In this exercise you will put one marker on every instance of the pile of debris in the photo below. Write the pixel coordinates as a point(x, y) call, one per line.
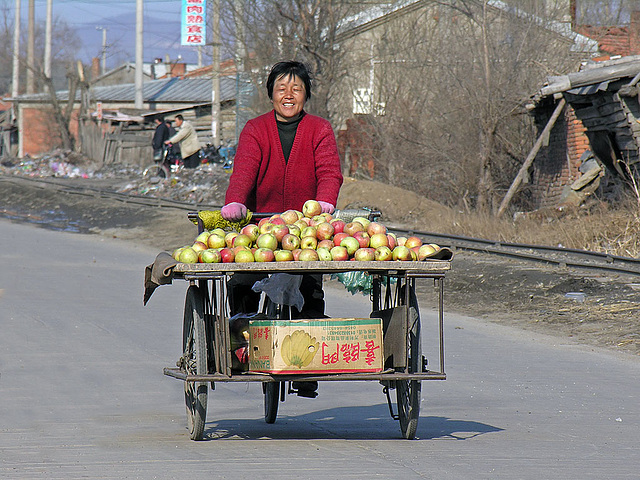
point(206, 184)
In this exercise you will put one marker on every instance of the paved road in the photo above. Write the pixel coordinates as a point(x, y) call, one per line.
point(82, 393)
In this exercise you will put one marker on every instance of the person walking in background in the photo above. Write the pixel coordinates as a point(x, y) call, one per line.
point(187, 138)
point(160, 136)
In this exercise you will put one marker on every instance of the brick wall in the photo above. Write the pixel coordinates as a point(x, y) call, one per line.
point(42, 134)
point(556, 165)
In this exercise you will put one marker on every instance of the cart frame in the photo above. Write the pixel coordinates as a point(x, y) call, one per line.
point(207, 303)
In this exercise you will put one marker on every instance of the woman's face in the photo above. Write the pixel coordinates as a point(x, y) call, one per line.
point(288, 97)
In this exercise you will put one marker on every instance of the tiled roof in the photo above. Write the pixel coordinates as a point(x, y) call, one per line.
point(169, 90)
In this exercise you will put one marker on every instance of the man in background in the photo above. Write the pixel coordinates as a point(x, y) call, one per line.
point(187, 138)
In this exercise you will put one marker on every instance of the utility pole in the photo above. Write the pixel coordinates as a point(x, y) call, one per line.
point(31, 47)
point(15, 82)
point(47, 40)
point(240, 66)
point(104, 49)
point(139, 50)
point(215, 75)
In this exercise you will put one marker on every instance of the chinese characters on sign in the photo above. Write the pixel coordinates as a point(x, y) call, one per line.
point(194, 22)
point(349, 353)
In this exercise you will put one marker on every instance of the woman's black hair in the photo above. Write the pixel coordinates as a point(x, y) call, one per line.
point(289, 69)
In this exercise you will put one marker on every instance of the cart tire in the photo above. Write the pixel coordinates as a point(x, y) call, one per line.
point(271, 392)
point(194, 350)
point(408, 392)
point(156, 170)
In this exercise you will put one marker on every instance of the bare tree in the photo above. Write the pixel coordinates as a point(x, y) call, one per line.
point(453, 79)
point(303, 30)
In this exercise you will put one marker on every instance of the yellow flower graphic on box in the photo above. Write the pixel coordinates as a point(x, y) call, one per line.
point(299, 348)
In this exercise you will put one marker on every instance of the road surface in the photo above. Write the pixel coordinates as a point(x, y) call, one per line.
point(82, 394)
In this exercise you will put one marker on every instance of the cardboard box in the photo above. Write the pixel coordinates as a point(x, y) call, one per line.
point(331, 345)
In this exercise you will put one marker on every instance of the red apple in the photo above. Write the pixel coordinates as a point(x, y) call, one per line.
point(266, 227)
point(365, 254)
point(337, 238)
point(378, 240)
point(392, 240)
point(296, 254)
point(324, 231)
point(242, 240)
point(252, 231)
point(363, 221)
point(176, 253)
point(317, 220)
point(339, 254)
point(227, 255)
point(326, 244)
point(262, 221)
point(375, 227)
point(308, 232)
point(210, 255)
point(363, 239)
point(401, 253)
point(267, 240)
point(383, 254)
point(302, 224)
point(324, 254)
point(244, 256)
point(290, 217)
point(351, 244)
point(425, 251)
point(280, 231)
point(338, 225)
point(203, 237)
point(238, 248)
point(309, 242)
point(290, 242)
point(216, 241)
point(308, 255)
point(412, 242)
point(228, 238)
point(188, 255)
point(294, 230)
point(353, 227)
point(199, 246)
point(283, 255)
point(401, 240)
point(311, 208)
point(277, 220)
point(264, 255)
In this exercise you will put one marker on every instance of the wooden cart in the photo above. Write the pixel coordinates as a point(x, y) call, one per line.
point(206, 348)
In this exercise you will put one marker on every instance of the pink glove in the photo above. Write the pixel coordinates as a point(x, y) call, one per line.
point(233, 211)
point(326, 207)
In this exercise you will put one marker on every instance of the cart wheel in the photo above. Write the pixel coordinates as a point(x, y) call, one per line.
point(271, 392)
point(408, 392)
point(156, 170)
point(195, 361)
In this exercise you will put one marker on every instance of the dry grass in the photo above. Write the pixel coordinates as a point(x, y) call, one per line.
point(598, 227)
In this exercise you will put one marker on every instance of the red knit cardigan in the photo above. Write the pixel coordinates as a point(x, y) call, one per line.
point(264, 182)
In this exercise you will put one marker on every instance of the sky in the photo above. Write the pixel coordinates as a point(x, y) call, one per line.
point(161, 28)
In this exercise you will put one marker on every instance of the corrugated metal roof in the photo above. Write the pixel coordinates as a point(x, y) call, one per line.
point(168, 90)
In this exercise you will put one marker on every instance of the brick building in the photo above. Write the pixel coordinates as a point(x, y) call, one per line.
point(601, 117)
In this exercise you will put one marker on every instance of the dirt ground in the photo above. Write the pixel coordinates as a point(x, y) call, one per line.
point(506, 291)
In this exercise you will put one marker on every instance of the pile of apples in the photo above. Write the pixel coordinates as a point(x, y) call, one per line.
point(304, 236)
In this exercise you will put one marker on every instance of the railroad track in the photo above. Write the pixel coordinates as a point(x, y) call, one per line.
point(560, 256)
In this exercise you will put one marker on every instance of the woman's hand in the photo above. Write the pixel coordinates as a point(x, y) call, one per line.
point(326, 207)
point(233, 211)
